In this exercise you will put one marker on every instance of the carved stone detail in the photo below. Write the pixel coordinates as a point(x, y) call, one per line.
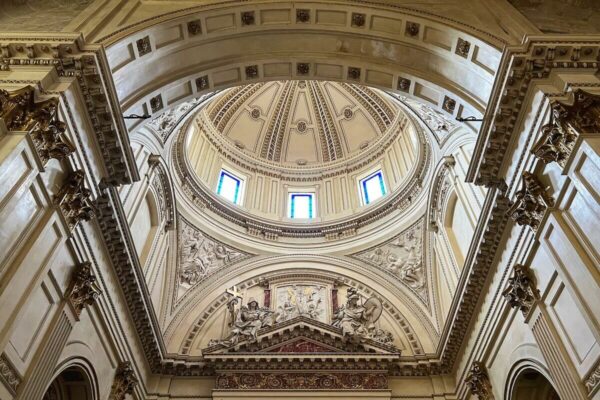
point(303, 68)
point(303, 16)
point(194, 27)
point(248, 18)
point(201, 256)
point(521, 291)
point(21, 113)
point(74, 200)
point(83, 289)
point(252, 72)
point(592, 382)
point(436, 121)
point(402, 257)
point(124, 382)
point(531, 202)
point(567, 122)
point(72, 58)
point(412, 29)
point(143, 45)
point(478, 382)
point(8, 375)
point(357, 319)
point(358, 20)
point(301, 381)
point(354, 73)
point(404, 84)
point(165, 122)
point(463, 47)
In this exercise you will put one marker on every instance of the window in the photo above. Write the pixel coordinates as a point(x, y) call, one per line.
point(372, 187)
point(230, 187)
point(301, 205)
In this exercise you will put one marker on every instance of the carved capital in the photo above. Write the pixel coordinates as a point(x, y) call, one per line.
point(583, 116)
point(83, 289)
point(124, 382)
point(521, 291)
point(478, 382)
point(21, 113)
point(74, 200)
point(531, 202)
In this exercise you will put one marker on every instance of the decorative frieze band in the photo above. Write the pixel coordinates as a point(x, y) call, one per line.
point(301, 381)
point(8, 375)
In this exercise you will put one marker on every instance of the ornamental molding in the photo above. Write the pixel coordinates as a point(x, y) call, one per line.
point(9, 375)
point(71, 57)
point(205, 198)
point(592, 381)
point(163, 187)
point(83, 289)
point(20, 112)
point(301, 381)
point(535, 59)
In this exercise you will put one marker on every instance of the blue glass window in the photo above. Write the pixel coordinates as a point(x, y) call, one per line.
point(302, 205)
point(372, 187)
point(229, 186)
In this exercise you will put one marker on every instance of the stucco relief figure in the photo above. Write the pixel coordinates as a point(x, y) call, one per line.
point(357, 319)
point(200, 256)
point(401, 257)
point(247, 321)
point(300, 300)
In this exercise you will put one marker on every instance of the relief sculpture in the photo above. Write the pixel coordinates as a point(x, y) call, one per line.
point(401, 257)
point(201, 255)
point(301, 300)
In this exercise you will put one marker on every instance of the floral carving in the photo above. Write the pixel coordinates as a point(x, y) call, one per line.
point(21, 113)
point(435, 121)
point(463, 47)
point(402, 257)
point(143, 45)
point(478, 381)
point(521, 291)
point(201, 255)
point(531, 202)
point(83, 289)
point(593, 380)
point(302, 381)
point(74, 200)
point(8, 375)
point(124, 382)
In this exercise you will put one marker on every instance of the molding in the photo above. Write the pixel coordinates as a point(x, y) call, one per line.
point(87, 64)
point(535, 59)
point(9, 375)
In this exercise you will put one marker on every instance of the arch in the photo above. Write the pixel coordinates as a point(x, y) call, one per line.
point(434, 59)
point(529, 380)
point(76, 380)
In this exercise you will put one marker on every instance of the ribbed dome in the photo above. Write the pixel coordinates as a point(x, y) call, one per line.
point(301, 122)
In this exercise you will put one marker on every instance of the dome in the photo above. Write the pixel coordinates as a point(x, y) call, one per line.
point(350, 153)
point(301, 122)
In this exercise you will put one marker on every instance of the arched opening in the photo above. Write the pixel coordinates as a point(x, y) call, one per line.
point(532, 385)
point(73, 383)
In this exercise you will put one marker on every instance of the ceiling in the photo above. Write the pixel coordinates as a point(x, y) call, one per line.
point(301, 122)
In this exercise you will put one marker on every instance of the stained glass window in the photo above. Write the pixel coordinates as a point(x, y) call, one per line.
point(372, 187)
point(301, 205)
point(229, 186)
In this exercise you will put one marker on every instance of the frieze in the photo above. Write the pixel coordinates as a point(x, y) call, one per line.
point(8, 374)
point(592, 382)
point(301, 381)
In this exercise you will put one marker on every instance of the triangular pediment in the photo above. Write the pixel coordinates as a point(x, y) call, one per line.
point(302, 336)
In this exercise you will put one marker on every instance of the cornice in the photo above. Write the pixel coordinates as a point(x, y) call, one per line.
point(71, 57)
point(535, 59)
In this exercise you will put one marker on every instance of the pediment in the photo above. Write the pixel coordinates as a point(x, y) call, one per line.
point(303, 336)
